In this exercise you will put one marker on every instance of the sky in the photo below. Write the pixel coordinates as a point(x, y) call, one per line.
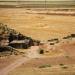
point(37, 0)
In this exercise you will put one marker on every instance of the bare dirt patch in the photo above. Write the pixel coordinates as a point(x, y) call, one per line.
point(61, 65)
point(7, 60)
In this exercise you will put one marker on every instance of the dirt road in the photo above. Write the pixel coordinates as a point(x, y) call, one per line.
point(14, 65)
point(31, 53)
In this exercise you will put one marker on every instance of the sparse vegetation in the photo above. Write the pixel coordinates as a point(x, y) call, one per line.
point(73, 35)
point(45, 66)
point(8, 35)
point(51, 43)
point(67, 37)
point(41, 51)
point(67, 56)
point(42, 27)
point(63, 66)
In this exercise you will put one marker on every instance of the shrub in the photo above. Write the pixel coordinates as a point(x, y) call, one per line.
point(64, 67)
point(73, 35)
point(61, 64)
point(44, 66)
point(51, 43)
point(67, 56)
point(41, 51)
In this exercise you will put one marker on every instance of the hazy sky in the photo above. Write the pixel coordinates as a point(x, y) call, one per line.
point(37, 0)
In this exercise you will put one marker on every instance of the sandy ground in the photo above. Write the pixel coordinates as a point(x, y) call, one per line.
point(45, 71)
point(32, 67)
point(41, 27)
point(13, 65)
point(56, 60)
point(37, 26)
point(31, 53)
point(7, 60)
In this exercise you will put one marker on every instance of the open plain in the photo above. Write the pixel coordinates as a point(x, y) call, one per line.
point(37, 26)
point(42, 27)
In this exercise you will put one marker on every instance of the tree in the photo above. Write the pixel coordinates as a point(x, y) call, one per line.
point(41, 51)
point(20, 37)
point(73, 35)
point(10, 37)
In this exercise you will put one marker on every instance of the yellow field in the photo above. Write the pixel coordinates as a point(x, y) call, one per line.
point(43, 27)
point(46, 71)
point(37, 26)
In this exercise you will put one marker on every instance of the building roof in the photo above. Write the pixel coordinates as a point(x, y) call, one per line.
point(19, 41)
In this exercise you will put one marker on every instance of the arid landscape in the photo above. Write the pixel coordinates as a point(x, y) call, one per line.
point(40, 41)
point(35, 25)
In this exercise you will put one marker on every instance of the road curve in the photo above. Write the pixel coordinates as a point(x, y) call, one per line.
point(32, 52)
point(12, 66)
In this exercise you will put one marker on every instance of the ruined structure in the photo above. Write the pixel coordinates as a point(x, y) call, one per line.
point(11, 38)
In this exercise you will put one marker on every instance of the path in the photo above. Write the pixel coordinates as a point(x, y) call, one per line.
point(12, 66)
point(32, 52)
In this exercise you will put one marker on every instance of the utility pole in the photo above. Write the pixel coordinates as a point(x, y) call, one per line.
point(45, 4)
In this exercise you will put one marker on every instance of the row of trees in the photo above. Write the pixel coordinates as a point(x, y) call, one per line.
point(56, 40)
point(69, 36)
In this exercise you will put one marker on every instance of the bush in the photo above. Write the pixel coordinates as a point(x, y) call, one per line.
point(41, 51)
point(67, 56)
point(45, 66)
point(64, 67)
point(61, 64)
point(73, 35)
point(42, 66)
point(51, 43)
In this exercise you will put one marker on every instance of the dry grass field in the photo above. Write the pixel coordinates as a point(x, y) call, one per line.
point(42, 27)
point(46, 71)
point(37, 26)
point(60, 65)
point(7, 60)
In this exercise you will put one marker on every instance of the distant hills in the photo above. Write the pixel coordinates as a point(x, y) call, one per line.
point(37, 4)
